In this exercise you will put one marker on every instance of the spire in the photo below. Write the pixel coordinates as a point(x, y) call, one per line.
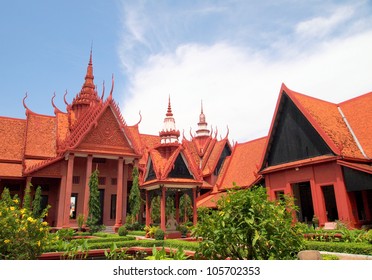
point(88, 95)
point(169, 134)
point(202, 124)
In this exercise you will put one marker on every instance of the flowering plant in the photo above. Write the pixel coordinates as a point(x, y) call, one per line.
point(23, 233)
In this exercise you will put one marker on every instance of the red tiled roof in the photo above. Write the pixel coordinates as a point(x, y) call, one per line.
point(210, 201)
point(40, 136)
point(326, 118)
point(244, 164)
point(358, 112)
point(12, 138)
point(212, 156)
point(10, 170)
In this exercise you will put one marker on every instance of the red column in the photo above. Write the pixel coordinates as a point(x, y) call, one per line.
point(162, 208)
point(86, 187)
point(61, 197)
point(148, 204)
point(70, 169)
point(119, 194)
point(125, 192)
point(195, 213)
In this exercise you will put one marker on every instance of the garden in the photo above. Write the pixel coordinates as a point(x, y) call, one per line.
point(246, 225)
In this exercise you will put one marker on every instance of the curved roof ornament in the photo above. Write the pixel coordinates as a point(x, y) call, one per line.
point(191, 133)
point(112, 87)
point(210, 135)
point(103, 90)
point(139, 119)
point(215, 134)
point(64, 98)
point(25, 106)
point(227, 133)
point(56, 110)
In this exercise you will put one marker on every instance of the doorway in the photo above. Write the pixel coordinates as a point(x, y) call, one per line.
point(304, 201)
point(330, 203)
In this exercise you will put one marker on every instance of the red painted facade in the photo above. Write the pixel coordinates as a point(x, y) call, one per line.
point(60, 152)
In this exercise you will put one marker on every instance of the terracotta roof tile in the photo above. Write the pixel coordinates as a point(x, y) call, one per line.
point(358, 112)
point(327, 116)
point(210, 201)
point(244, 164)
point(41, 136)
point(10, 170)
point(62, 126)
point(12, 138)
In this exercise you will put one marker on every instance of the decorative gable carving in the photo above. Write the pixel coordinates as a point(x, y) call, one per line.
point(293, 137)
point(106, 133)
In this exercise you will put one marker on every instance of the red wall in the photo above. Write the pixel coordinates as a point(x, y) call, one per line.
point(318, 175)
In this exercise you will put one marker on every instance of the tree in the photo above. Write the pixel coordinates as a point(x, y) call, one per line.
point(247, 225)
point(94, 216)
point(185, 207)
point(36, 204)
point(135, 196)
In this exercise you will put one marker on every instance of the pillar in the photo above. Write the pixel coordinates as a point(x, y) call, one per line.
point(69, 173)
point(162, 208)
point(88, 173)
point(195, 213)
point(119, 194)
point(61, 198)
point(125, 192)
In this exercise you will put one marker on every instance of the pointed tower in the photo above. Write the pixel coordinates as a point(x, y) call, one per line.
point(169, 134)
point(202, 124)
point(88, 95)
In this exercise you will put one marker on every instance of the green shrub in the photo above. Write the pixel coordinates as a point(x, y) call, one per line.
point(137, 232)
point(122, 231)
point(340, 247)
point(65, 233)
point(247, 225)
point(80, 221)
point(369, 236)
point(330, 257)
point(159, 234)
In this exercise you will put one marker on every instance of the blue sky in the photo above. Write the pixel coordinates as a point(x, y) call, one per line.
point(232, 54)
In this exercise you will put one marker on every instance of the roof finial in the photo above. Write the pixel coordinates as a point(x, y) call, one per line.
point(169, 111)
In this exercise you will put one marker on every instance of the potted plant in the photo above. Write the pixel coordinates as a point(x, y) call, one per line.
point(315, 222)
point(80, 222)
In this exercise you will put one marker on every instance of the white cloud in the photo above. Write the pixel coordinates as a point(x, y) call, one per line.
point(239, 88)
point(319, 27)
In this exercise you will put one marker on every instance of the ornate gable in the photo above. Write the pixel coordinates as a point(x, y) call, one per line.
point(293, 137)
point(180, 169)
point(106, 135)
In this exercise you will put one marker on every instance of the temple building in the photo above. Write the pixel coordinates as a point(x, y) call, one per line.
point(321, 153)
point(317, 151)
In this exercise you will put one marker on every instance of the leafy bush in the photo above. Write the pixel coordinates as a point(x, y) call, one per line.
point(159, 234)
point(340, 247)
point(23, 233)
point(369, 236)
point(329, 257)
point(122, 231)
point(247, 225)
point(65, 233)
point(137, 232)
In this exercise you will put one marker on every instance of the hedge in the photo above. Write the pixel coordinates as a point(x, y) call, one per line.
point(340, 247)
